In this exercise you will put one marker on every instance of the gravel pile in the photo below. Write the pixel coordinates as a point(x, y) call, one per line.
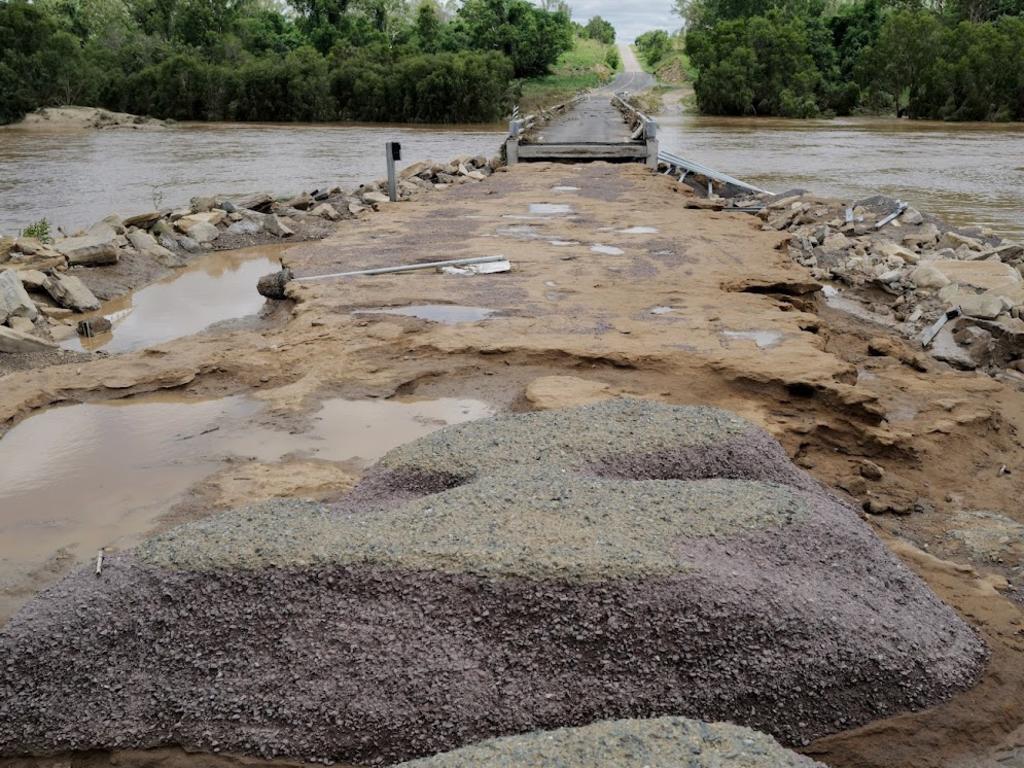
point(514, 574)
point(667, 742)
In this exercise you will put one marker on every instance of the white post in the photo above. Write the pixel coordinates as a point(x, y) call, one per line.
point(392, 183)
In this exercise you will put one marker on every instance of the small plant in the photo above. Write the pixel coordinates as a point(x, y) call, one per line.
point(40, 230)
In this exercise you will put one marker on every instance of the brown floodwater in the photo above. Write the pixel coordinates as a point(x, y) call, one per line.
point(969, 173)
point(77, 478)
point(75, 178)
point(215, 287)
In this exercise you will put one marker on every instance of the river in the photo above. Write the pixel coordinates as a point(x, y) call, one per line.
point(968, 173)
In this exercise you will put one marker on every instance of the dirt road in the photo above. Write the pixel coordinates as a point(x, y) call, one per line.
point(617, 286)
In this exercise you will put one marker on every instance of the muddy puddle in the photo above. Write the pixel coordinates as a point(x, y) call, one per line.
point(77, 478)
point(216, 287)
point(446, 314)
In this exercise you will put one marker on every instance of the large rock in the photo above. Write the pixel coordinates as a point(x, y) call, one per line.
point(147, 245)
point(620, 559)
point(143, 220)
point(17, 341)
point(70, 292)
point(201, 227)
point(97, 247)
point(662, 743)
point(14, 299)
point(986, 275)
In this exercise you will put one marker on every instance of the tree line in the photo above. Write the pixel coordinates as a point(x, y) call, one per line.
point(314, 60)
point(934, 59)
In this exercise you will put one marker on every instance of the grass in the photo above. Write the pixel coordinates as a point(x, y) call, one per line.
point(674, 69)
point(583, 67)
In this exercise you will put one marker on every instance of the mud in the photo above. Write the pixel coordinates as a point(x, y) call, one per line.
point(940, 436)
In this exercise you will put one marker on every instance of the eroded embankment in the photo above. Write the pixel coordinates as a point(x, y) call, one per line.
point(492, 578)
point(685, 306)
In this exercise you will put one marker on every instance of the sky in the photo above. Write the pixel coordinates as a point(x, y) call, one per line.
point(629, 17)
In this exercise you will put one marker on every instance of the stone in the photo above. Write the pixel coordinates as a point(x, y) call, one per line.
point(919, 237)
point(981, 305)
point(245, 227)
point(29, 246)
point(211, 218)
point(375, 198)
point(413, 170)
point(94, 326)
point(14, 299)
point(143, 220)
point(985, 275)
point(355, 208)
point(276, 227)
point(326, 211)
point(260, 202)
point(870, 470)
point(22, 324)
point(890, 250)
point(71, 292)
point(302, 202)
point(32, 279)
point(162, 227)
point(56, 313)
point(955, 240)
point(199, 231)
point(837, 242)
point(911, 217)
point(203, 204)
point(147, 245)
point(476, 176)
point(273, 285)
point(16, 341)
point(926, 276)
point(97, 247)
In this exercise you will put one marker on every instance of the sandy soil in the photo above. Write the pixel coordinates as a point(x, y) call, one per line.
point(744, 332)
point(83, 118)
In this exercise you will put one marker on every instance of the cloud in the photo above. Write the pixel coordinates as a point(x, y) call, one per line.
point(629, 17)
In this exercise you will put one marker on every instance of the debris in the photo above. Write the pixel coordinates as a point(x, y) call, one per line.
point(406, 268)
point(487, 268)
point(272, 286)
point(937, 326)
point(99, 563)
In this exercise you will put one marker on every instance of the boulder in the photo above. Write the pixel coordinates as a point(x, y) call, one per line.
point(326, 211)
point(70, 292)
point(14, 299)
point(986, 275)
point(256, 202)
point(921, 237)
point(620, 559)
point(927, 276)
point(664, 742)
point(355, 208)
point(32, 279)
point(276, 227)
point(955, 240)
point(245, 227)
point(6, 246)
point(16, 341)
point(147, 245)
point(97, 247)
point(199, 231)
point(186, 223)
point(143, 220)
point(981, 305)
point(302, 202)
point(890, 250)
point(22, 324)
point(413, 170)
point(372, 198)
point(272, 286)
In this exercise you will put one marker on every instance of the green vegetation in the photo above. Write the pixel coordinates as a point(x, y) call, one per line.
point(586, 65)
point(663, 55)
point(600, 30)
point(381, 60)
point(955, 60)
point(40, 230)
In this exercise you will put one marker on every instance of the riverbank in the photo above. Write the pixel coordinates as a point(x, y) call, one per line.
point(618, 288)
point(73, 118)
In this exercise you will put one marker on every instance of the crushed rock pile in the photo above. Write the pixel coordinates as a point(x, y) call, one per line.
point(623, 559)
point(665, 742)
point(41, 285)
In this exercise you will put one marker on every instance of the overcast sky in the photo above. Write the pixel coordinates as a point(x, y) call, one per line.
point(629, 17)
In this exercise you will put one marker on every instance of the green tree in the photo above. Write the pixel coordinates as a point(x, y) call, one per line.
point(899, 62)
point(654, 46)
point(600, 30)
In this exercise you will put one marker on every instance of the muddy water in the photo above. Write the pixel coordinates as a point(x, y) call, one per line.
point(216, 287)
point(76, 178)
point(81, 477)
point(967, 173)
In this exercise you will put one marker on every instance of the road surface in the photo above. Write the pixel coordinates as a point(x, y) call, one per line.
point(595, 120)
